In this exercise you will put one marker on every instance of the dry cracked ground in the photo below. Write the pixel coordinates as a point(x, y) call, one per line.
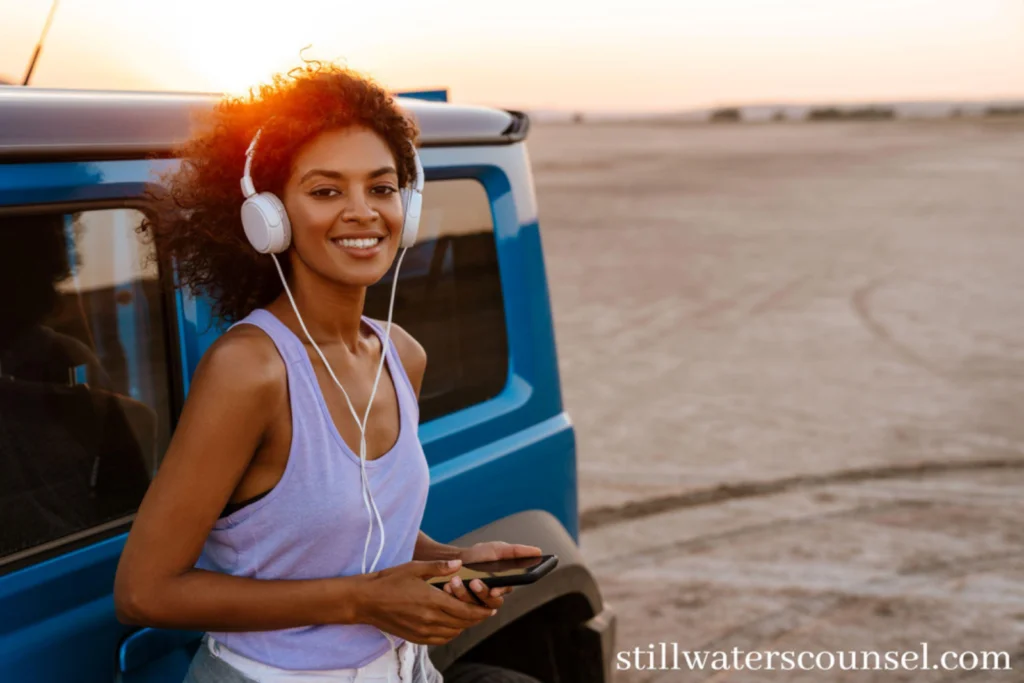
point(794, 354)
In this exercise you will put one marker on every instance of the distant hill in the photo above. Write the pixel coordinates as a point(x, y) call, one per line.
point(938, 109)
point(866, 111)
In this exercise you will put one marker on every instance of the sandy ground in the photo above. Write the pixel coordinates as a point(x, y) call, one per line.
point(794, 354)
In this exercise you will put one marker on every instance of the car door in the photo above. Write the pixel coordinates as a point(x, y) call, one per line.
point(88, 392)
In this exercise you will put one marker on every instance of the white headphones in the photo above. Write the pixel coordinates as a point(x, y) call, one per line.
point(267, 227)
point(266, 222)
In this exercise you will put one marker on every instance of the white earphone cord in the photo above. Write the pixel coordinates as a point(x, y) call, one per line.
point(408, 198)
point(361, 424)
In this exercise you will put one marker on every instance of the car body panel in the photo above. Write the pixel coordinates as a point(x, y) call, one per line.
point(510, 454)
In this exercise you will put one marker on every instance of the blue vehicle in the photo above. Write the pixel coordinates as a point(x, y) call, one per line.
point(97, 347)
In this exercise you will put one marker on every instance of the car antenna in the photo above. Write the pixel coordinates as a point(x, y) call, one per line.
point(39, 45)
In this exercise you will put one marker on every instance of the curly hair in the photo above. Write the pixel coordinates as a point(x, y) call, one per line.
point(196, 223)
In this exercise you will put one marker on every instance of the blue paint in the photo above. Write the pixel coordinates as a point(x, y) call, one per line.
point(22, 184)
point(440, 95)
point(513, 452)
point(198, 329)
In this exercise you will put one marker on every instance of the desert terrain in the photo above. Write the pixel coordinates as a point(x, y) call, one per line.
point(794, 355)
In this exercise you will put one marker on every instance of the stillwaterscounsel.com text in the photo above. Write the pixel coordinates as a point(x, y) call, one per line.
point(668, 657)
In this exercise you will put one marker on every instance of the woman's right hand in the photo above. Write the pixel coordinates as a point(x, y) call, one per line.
point(399, 601)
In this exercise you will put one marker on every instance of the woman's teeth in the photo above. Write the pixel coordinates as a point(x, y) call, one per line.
point(362, 243)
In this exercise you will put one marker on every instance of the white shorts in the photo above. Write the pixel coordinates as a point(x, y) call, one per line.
point(394, 666)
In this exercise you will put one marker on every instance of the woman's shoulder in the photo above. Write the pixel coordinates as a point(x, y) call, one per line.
point(410, 352)
point(246, 356)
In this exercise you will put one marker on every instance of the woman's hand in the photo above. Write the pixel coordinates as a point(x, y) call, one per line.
point(398, 600)
point(487, 552)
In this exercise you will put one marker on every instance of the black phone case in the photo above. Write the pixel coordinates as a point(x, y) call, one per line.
point(535, 574)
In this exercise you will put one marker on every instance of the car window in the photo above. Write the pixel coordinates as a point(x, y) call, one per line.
point(449, 298)
point(85, 403)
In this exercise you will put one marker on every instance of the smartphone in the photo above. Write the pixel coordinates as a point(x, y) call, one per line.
point(510, 572)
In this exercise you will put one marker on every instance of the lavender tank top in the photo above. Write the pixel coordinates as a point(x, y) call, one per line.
point(313, 523)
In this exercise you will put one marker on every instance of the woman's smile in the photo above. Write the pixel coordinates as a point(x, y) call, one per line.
point(360, 247)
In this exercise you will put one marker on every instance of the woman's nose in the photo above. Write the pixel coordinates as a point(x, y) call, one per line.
point(358, 209)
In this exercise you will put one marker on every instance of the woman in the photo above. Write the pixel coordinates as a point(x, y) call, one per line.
point(256, 529)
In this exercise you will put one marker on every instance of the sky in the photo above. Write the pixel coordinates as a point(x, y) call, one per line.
point(570, 55)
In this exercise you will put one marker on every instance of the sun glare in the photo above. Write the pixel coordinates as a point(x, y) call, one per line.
point(226, 73)
point(643, 55)
point(233, 51)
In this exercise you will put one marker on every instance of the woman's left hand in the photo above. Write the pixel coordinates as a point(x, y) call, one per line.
point(487, 552)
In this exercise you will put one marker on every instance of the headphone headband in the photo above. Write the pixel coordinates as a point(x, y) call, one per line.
point(247, 187)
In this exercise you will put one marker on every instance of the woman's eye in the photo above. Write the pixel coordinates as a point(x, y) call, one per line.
point(384, 189)
point(324, 192)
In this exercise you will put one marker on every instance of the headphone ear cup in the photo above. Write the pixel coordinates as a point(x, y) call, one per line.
point(411, 224)
point(266, 223)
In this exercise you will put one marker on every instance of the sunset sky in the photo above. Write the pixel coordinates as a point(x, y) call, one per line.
point(626, 55)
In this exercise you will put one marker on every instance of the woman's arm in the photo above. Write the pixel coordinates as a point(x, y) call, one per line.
point(239, 385)
point(238, 388)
